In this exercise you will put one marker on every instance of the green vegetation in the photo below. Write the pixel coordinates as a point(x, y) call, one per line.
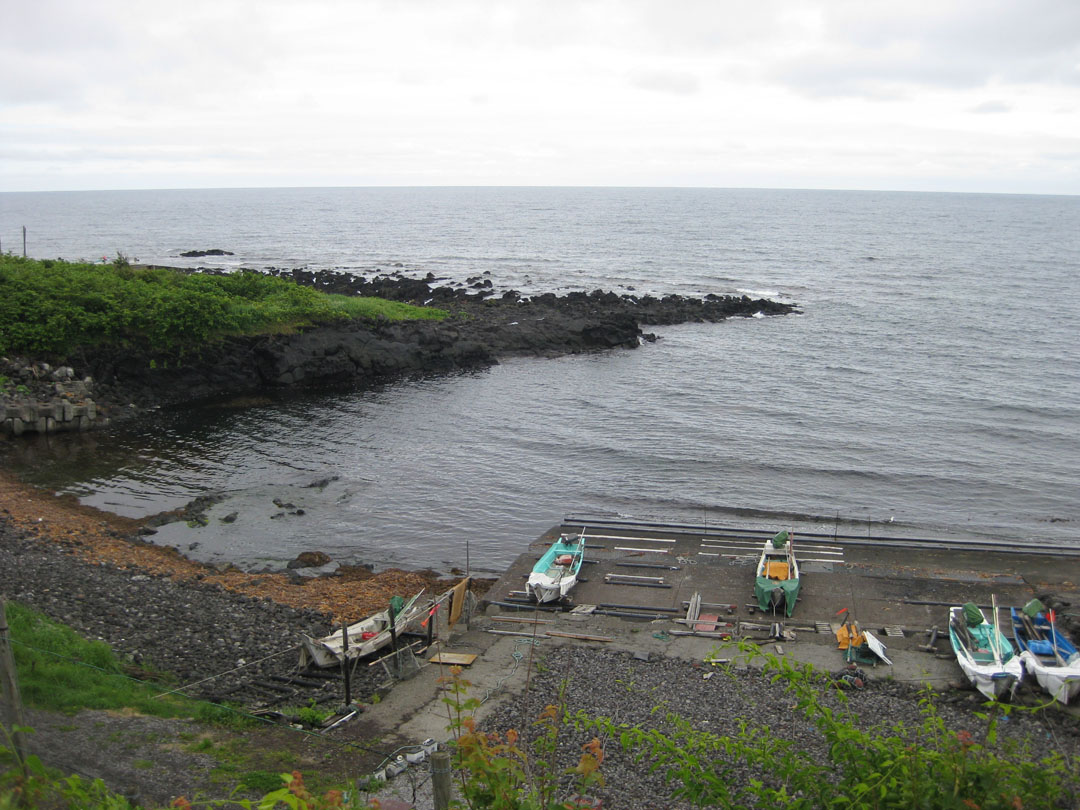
point(52, 307)
point(61, 671)
point(27, 783)
point(311, 716)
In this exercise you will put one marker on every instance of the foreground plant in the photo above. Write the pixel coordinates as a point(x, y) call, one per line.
point(508, 772)
point(927, 766)
point(292, 794)
point(26, 783)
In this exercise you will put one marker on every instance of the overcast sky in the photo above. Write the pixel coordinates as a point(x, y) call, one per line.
point(951, 95)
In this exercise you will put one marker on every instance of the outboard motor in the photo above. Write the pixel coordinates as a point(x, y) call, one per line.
point(776, 599)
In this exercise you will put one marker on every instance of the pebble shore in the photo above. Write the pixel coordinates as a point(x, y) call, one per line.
point(191, 629)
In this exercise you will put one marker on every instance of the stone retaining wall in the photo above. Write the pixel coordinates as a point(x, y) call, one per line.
point(39, 398)
point(19, 417)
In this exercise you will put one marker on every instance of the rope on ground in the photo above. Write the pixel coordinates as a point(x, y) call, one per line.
point(518, 657)
point(228, 671)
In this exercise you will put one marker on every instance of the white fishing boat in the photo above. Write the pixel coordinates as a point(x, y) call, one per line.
point(1047, 653)
point(984, 654)
point(556, 572)
point(364, 637)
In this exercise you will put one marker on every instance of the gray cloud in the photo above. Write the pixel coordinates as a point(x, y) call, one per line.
point(991, 107)
point(959, 45)
point(666, 81)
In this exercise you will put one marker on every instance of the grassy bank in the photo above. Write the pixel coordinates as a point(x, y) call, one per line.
point(59, 670)
point(51, 307)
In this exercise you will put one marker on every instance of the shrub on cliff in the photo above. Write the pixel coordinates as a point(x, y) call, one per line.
point(51, 307)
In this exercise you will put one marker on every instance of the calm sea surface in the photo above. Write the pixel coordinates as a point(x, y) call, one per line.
point(933, 379)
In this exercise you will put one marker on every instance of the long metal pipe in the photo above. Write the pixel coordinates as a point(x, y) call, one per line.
point(808, 538)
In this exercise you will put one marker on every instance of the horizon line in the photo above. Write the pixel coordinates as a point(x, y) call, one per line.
point(449, 186)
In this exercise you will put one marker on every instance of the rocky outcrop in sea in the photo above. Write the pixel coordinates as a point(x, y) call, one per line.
point(483, 326)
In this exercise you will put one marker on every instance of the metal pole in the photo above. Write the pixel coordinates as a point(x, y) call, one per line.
point(440, 779)
point(345, 669)
point(9, 688)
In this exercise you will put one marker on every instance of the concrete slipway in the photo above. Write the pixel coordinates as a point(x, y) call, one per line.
point(896, 583)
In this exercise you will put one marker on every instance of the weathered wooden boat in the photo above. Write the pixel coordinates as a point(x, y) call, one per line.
point(983, 652)
point(364, 637)
point(777, 584)
point(556, 572)
point(1046, 653)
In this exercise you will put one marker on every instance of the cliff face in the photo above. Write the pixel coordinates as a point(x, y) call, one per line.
point(481, 329)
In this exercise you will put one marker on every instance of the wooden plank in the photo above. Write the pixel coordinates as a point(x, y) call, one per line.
point(693, 607)
point(456, 659)
point(699, 633)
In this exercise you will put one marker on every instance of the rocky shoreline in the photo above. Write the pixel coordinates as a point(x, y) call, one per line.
point(484, 326)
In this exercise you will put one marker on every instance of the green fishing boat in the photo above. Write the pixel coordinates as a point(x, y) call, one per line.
point(777, 584)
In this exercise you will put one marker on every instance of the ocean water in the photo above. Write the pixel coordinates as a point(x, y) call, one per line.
point(931, 385)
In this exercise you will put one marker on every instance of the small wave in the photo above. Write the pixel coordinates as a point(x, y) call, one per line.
point(758, 293)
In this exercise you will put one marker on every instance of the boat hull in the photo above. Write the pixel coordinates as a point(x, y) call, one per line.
point(1051, 657)
point(995, 674)
point(1061, 683)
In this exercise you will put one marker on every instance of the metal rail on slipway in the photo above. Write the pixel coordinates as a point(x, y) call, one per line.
point(571, 522)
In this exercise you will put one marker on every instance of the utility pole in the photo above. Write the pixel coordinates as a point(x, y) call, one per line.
point(10, 706)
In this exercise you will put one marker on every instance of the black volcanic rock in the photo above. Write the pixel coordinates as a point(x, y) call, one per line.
point(482, 327)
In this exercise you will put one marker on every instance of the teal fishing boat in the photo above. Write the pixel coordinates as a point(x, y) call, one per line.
point(983, 653)
point(556, 572)
point(777, 584)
